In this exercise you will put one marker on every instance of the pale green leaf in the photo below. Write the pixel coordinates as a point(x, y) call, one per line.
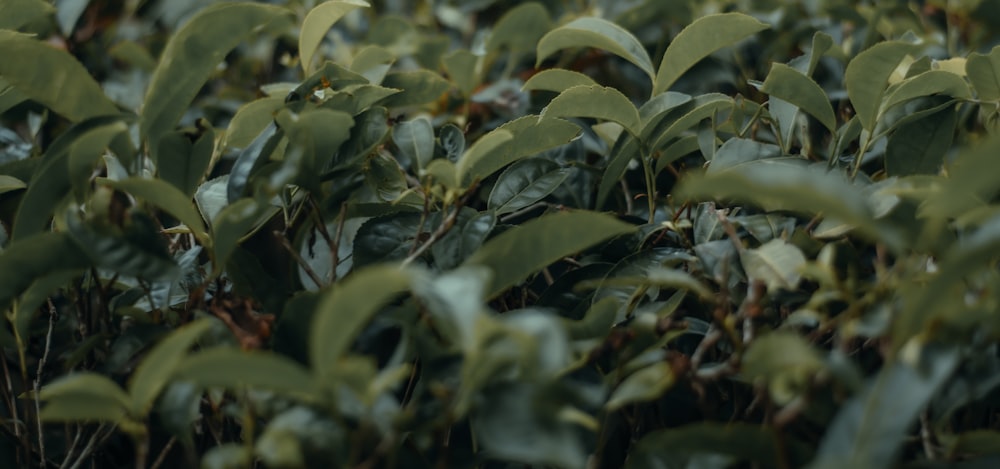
point(193, 53)
point(557, 80)
point(93, 397)
point(463, 69)
point(157, 367)
point(250, 120)
point(788, 84)
point(777, 263)
point(520, 28)
point(318, 21)
point(644, 385)
point(480, 154)
point(17, 13)
point(232, 368)
point(700, 39)
point(595, 101)
point(597, 33)
point(867, 77)
point(52, 77)
point(983, 71)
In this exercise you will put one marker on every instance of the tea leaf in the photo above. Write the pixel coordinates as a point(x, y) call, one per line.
point(595, 101)
point(788, 84)
point(597, 33)
point(867, 77)
point(318, 22)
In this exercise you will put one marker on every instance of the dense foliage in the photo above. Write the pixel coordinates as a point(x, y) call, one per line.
point(593, 233)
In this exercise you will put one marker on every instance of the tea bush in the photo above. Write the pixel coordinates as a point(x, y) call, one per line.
point(568, 234)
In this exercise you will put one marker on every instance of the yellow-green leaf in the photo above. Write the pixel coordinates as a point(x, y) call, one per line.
point(318, 21)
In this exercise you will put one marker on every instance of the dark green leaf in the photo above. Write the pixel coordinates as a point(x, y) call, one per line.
point(386, 238)
point(595, 101)
point(419, 87)
point(231, 368)
point(166, 197)
point(597, 33)
point(788, 84)
point(525, 183)
point(557, 80)
point(157, 367)
point(21, 262)
point(919, 147)
point(415, 138)
point(182, 163)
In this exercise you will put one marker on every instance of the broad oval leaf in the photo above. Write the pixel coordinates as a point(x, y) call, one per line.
point(231, 368)
point(557, 80)
point(418, 87)
point(52, 77)
point(386, 238)
point(983, 71)
point(345, 309)
point(920, 146)
point(415, 138)
point(598, 33)
point(788, 84)
point(318, 22)
point(194, 52)
point(521, 251)
point(250, 120)
point(520, 28)
point(933, 82)
point(867, 77)
point(698, 40)
point(525, 183)
point(595, 101)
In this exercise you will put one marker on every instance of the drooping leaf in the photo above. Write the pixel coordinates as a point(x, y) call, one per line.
point(788, 84)
point(520, 28)
point(86, 151)
point(597, 33)
point(521, 251)
point(250, 120)
point(17, 13)
point(700, 39)
point(317, 23)
point(52, 77)
point(135, 251)
point(84, 396)
point(231, 368)
point(166, 197)
point(933, 82)
point(481, 153)
point(595, 101)
point(867, 77)
point(525, 183)
point(870, 428)
point(557, 80)
point(415, 138)
point(419, 87)
point(530, 135)
point(343, 311)
point(23, 261)
point(232, 223)
point(193, 53)
point(157, 368)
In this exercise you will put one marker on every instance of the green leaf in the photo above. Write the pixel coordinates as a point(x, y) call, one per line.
point(10, 184)
point(738, 151)
point(700, 39)
point(597, 33)
point(192, 54)
point(250, 120)
point(870, 428)
point(182, 163)
point(373, 62)
point(169, 199)
point(23, 261)
point(557, 80)
point(651, 112)
point(157, 368)
point(464, 239)
point(983, 71)
point(231, 368)
point(681, 147)
point(419, 87)
point(595, 101)
point(386, 238)
point(232, 223)
point(933, 82)
point(531, 135)
point(525, 183)
point(345, 309)
point(647, 384)
point(777, 263)
point(520, 28)
point(743, 441)
point(919, 147)
point(136, 251)
point(481, 153)
point(462, 67)
point(625, 149)
point(788, 84)
point(784, 362)
point(330, 76)
point(317, 23)
point(17, 13)
point(521, 251)
point(655, 277)
point(661, 131)
point(52, 77)
point(867, 77)
point(415, 139)
point(85, 152)
point(84, 396)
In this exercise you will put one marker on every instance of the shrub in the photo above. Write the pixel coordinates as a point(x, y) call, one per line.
point(632, 234)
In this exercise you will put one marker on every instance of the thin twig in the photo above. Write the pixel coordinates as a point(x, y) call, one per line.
point(335, 247)
point(91, 445)
point(163, 454)
point(298, 258)
point(38, 385)
point(436, 235)
point(72, 448)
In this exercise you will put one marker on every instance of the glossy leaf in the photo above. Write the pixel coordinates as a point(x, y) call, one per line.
point(386, 238)
point(415, 138)
point(525, 183)
point(342, 312)
point(519, 252)
point(318, 22)
point(700, 39)
point(557, 80)
point(597, 102)
point(157, 368)
point(52, 77)
point(788, 84)
point(933, 82)
point(597, 33)
point(738, 151)
point(193, 53)
point(701, 108)
point(867, 77)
